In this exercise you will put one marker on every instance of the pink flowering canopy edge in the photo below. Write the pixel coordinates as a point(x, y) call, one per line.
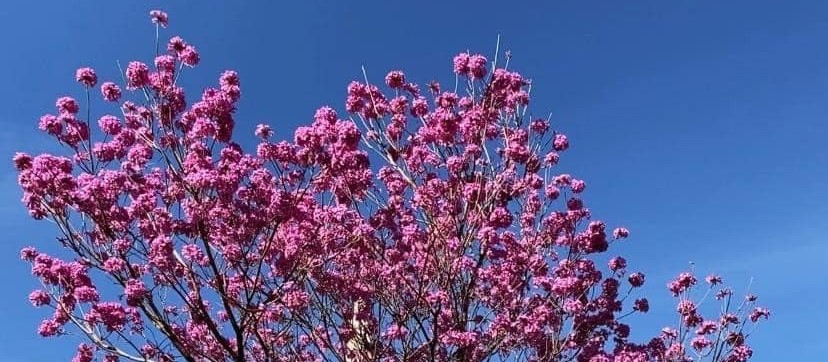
point(421, 226)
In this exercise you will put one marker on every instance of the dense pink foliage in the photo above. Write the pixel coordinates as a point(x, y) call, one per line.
point(418, 227)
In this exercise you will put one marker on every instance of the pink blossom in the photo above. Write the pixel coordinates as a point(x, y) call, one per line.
point(48, 328)
point(617, 263)
point(636, 279)
point(263, 131)
point(459, 339)
point(110, 91)
point(395, 79)
point(110, 125)
point(137, 75)
point(419, 107)
point(552, 192)
point(112, 315)
point(86, 293)
point(699, 343)
point(551, 159)
point(740, 354)
point(620, 233)
point(686, 307)
point(51, 125)
point(39, 298)
point(477, 66)
point(578, 186)
point(728, 318)
point(67, 106)
point(28, 253)
point(573, 306)
point(461, 64)
point(86, 353)
point(86, 76)
point(159, 17)
point(113, 265)
point(176, 45)
point(165, 63)
point(574, 203)
point(682, 283)
point(759, 312)
point(642, 305)
point(707, 327)
point(189, 56)
point(562, 180)
point(560, 143)
point(134, 292)
point(434, 87)
point(539, 126)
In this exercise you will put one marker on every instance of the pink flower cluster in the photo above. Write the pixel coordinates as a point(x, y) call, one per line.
point(417, 227)
point(721, 338)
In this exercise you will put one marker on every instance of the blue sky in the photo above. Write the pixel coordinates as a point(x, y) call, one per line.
point(700, 125)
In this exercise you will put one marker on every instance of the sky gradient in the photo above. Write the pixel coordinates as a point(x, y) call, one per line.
point(699, 125)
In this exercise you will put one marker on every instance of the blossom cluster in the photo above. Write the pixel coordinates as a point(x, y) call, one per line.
point(419, 226)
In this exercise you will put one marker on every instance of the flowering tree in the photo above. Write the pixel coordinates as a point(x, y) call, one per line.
point(423, 226)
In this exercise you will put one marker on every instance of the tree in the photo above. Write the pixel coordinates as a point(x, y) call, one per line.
point(424, 226)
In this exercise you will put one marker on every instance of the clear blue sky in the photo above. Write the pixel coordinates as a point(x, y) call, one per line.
point(701, 125)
